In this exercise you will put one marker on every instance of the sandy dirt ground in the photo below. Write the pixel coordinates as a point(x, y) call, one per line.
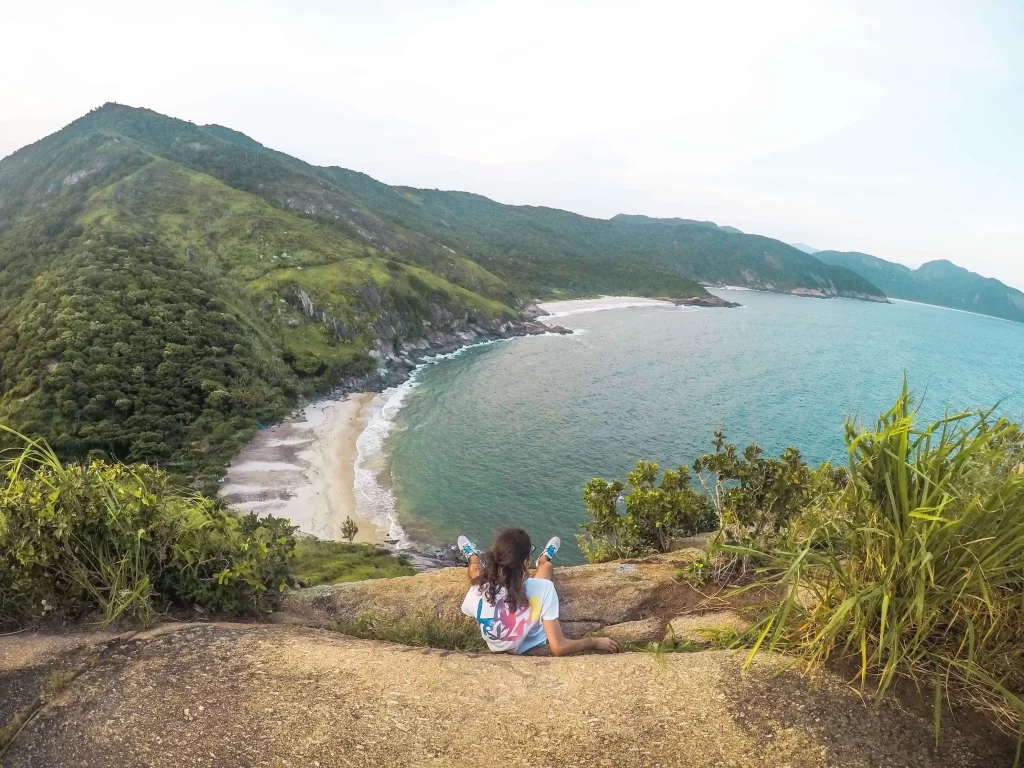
point(225, 696)
point(304, 469)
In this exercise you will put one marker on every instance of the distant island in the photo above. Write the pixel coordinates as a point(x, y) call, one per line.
point(941, 282)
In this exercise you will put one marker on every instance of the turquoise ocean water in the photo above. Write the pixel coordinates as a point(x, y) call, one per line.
point(509, 433)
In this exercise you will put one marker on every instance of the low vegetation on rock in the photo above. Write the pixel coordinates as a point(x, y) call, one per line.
point(915, 568)
point(421, 631)
point(335, 562)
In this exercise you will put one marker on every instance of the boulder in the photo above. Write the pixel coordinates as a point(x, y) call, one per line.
point(598, 595)
point(698, 543)
point(574, 630)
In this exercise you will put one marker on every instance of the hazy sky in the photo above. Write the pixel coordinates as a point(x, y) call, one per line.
point(895, 128)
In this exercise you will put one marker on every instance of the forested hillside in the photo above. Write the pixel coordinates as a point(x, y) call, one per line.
point(165, 287)
point(545, 247)
point(153, 309)
point(937, 282)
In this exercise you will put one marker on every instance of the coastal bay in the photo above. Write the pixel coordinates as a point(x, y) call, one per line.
point(326, 462)
point(510, 434)
point(507, 431)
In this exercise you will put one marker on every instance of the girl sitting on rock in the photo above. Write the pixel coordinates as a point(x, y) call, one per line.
point(518, 612)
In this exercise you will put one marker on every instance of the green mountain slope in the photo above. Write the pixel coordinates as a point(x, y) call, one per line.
point(937, 282)
point(166, 287)
point(151, 311)
point(724, 255)
point(578, 255)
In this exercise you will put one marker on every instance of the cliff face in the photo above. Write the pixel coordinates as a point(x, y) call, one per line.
point(397, 356)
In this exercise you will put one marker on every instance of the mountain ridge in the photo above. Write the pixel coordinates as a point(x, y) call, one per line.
point(940, 282)
point(166, 287)
point(805, 248)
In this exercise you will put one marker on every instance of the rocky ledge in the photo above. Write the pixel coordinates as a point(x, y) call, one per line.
point(295, 694)
point(633, 600)
point(413, 352)
point(818, 293)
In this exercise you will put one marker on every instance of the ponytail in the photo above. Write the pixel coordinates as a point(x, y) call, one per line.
point(505, 569)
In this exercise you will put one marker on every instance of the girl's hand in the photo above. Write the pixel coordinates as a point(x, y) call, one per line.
point(605, 645)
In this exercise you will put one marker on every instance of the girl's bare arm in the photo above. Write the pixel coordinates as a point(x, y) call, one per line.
point(562, 646)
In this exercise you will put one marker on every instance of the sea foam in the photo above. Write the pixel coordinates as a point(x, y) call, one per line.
point(374, 501)
point(556, 309)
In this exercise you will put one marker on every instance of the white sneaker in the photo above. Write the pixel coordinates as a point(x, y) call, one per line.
point(550, 548)
point(467, 547)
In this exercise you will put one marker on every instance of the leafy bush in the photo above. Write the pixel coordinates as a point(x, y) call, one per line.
point(756, 497)
point(125, 541)
point(751, 498)
point(915, 568)
point(653, 514)
point(349, 529)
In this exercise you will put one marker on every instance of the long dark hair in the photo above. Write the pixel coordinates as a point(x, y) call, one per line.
point(506, 569)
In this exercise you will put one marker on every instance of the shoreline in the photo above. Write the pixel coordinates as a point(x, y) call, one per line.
point(321, 464)
point(308, 467)
point(304, 469)
point(804, 293)
point(560, 309)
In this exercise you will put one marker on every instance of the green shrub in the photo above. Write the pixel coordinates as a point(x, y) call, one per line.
point(757, 497)
point(750, 497)
point(652, 515)
point(349, 529)
point(915, 569)
point(125, 541)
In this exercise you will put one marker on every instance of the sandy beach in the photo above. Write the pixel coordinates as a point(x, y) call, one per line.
point(304, 469)
point(556, 309)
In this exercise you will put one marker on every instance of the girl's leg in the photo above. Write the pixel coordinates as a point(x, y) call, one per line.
point(472, 555)
point(544, 569)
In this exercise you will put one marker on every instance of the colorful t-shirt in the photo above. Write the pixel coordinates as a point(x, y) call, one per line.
point(517, 632)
